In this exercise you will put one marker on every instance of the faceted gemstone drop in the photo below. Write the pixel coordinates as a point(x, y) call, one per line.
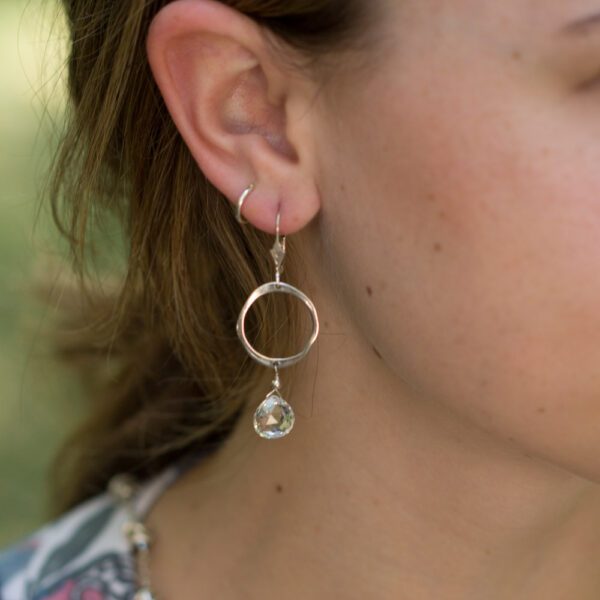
point(274, 417)
point(143, 594)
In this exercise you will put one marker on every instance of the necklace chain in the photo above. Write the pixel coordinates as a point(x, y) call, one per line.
point(124, 487)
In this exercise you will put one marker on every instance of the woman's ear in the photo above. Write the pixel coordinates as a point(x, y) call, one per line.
point(244, 116)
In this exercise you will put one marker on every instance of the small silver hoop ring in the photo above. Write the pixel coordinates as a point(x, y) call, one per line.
point(240, 202)
point(267, 288)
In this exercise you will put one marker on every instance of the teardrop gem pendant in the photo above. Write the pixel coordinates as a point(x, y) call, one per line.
point(274, 417)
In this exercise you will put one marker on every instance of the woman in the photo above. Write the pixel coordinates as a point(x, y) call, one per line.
point(435, 166)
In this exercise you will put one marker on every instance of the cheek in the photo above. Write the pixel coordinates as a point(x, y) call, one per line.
point(479, 221)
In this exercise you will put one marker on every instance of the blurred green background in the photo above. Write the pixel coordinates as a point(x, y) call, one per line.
point(39, 401)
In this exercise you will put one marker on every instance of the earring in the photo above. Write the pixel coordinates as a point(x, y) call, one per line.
point(274, 417)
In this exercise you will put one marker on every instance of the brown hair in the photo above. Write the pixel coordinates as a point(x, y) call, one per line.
point(164, 369)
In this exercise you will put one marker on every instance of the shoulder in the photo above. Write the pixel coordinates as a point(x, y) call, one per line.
point(84, 553)
point(81, 554)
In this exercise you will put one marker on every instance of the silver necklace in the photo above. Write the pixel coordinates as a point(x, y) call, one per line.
point(124, 487)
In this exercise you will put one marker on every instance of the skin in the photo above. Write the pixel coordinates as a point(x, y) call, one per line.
point(445, 199)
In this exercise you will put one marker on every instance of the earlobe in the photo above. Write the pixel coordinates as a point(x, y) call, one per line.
point(230, 104)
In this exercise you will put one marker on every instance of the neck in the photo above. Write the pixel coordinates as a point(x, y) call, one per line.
point(376, 492)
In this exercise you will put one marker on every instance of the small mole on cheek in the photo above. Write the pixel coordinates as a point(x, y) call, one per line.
point(516, 55)
point(437, 247)
point(541, 409)
point(279, 488)
point(369, 291)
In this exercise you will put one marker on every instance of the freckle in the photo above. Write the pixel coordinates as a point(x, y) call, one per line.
point(376, 352)
point(541, 409)
point(437, 247)
point(511, 438)
point(369, 291)
point(516, 55)
point(442, 214)
point(279, 488)
point(325, 324)
point(431, 196)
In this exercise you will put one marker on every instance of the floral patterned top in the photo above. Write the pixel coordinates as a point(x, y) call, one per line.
point(83, 555)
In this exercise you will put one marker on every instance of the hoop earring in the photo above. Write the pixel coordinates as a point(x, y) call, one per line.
point(240, 203)
point(274, 417)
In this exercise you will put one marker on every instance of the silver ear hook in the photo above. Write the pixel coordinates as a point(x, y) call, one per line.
point(240, 202)
point(278, 251)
